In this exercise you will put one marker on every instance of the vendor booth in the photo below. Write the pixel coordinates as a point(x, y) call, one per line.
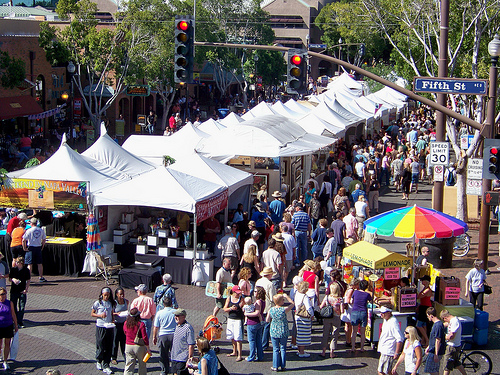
point(384, 270)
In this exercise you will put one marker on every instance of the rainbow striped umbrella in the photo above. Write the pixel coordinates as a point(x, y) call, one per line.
point(415, 222)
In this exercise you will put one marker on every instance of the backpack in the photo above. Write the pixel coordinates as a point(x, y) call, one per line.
point(450, 180)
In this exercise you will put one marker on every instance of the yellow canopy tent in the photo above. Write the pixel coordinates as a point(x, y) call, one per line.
point(375, 257)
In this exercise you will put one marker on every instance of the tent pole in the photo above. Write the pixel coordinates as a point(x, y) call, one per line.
point(195, 237)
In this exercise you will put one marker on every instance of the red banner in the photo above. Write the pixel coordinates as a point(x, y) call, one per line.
point(209, 207)
point(77, 108)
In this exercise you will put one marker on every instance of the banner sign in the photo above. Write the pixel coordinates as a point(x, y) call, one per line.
point(391, 273)
point(137, 90)
point(43, 194)
point(77, 108)
point(408, 300)
point(209, 207)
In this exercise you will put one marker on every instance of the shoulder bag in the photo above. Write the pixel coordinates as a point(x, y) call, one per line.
point(139, 340)
point(487, 289)
point(302, 311)
point(326, 312)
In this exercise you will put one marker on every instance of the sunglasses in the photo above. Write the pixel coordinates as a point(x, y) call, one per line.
point(3, 294)
point(407, 333)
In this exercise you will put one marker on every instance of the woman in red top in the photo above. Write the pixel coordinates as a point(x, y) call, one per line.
point(134, 352)
point(308, 273)
point(424, 298)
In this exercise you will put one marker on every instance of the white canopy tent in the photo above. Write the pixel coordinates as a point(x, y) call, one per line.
point(324, 112)
point(211, 126)
point(68, 165)
point(154, 147)
point(265, 136)
point(390, 97)
point(281, 109)
point(314, 125)
point(297, 107)
point(261, 109)
point(346, 84)
point(213, 171)
point(111, 154)
point(231, 119)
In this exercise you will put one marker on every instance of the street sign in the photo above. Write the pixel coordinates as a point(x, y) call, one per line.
point(451, 85)
point(475, 169)
point(323, 46)
point(440, 153)
point(438, 173)
point(474, 187)
point(466, 141)
point(491, 198)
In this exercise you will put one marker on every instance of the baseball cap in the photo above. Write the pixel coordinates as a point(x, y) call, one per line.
point(180, 312)
point(384, 309)
point(142, 288)
point(236, 289)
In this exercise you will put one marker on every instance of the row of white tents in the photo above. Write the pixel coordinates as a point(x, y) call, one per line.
point(134, 175)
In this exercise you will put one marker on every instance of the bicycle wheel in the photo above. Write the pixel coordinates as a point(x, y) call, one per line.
point(461, 246)
point(477, 362)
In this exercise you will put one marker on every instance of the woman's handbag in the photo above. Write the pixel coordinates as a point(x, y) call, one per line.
point(326, 312)
point(139, 340)
point(487, 289)
point(302, 311)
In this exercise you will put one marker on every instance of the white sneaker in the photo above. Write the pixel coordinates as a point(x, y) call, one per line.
point(107, 370)
point(5, 366)
point(98, 365)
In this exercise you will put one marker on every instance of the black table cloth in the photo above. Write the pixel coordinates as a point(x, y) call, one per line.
point(178, 267)
point(137, 274)
point(64, 259)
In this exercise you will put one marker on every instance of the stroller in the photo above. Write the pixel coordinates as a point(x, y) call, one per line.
point(212, 330)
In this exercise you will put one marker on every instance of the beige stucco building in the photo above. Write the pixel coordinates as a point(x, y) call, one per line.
point(293, 24)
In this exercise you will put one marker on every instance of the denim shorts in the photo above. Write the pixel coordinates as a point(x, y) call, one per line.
point(414, 178)
point(359, 318)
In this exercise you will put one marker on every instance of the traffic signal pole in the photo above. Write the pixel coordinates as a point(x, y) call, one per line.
point(410, 94)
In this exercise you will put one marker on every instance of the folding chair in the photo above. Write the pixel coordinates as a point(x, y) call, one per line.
point(105, 268)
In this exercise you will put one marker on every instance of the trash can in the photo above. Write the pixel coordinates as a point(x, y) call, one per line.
point(440, 251)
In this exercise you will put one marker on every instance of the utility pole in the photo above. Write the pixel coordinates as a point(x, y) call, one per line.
point(441, 98)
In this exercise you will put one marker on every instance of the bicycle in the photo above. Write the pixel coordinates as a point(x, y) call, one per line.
point(475, 362)
point(461, 246)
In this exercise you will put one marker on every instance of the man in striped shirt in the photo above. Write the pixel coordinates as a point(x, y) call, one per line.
point(302, 224)
point(183, 342)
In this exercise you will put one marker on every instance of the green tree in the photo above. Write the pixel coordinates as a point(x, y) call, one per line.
point(12, 70)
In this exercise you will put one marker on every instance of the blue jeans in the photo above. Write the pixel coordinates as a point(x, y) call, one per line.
point(254, 333)
point(279, 352)
point(266, 334)
point(148, 323)
point(278, 283)
point(301, 245)
point(385, 172)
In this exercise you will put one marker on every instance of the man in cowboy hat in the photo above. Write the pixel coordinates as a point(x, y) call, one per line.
point(265, 282)
point(277, 208)
point(271, 258)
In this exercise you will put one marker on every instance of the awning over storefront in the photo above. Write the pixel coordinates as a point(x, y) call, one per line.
point(18, 106)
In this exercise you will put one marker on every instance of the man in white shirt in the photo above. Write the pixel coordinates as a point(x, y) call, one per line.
point(271, 258)
point(351, 227)
point(291, 251)
point(362, 213)
point(33, 244)
point(390, 343)
point(453, 342)
point(222, 277)
point(252, 241)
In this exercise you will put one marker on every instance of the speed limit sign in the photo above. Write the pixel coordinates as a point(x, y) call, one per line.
point(440, 153)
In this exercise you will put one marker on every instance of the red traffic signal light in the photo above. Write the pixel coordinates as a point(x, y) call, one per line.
point(494, 150)
point(296, 59)
point(183, 25)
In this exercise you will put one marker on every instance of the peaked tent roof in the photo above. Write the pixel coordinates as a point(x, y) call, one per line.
point(264, 136)
point(324, 112)
point(111, 154)
point(231, 119)
point(213, 171)
point(314, 125)
point(68, 165)
point(281, 109)
point(345, 83)
point(261, 109)
point(154, 147)
point(183, 191)
point(211, 126)
point(297, 107)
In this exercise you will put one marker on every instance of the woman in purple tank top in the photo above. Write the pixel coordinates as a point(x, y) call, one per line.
point(8, 325)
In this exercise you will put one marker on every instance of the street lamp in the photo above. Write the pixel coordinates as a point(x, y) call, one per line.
point(489, 132)
point(71, 68)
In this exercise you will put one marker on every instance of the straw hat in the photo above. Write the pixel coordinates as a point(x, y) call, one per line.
point(259, 207)
point(276, 194)
point(267, 271)
point(278, 237)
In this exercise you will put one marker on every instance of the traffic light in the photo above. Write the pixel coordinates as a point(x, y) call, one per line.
point(184, 49)
point(297, 71)
point(491, 159)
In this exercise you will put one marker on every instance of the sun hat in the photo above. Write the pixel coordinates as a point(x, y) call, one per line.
point(278, 237)
point(259, 207)
point(267, 271)
point(276, 194)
